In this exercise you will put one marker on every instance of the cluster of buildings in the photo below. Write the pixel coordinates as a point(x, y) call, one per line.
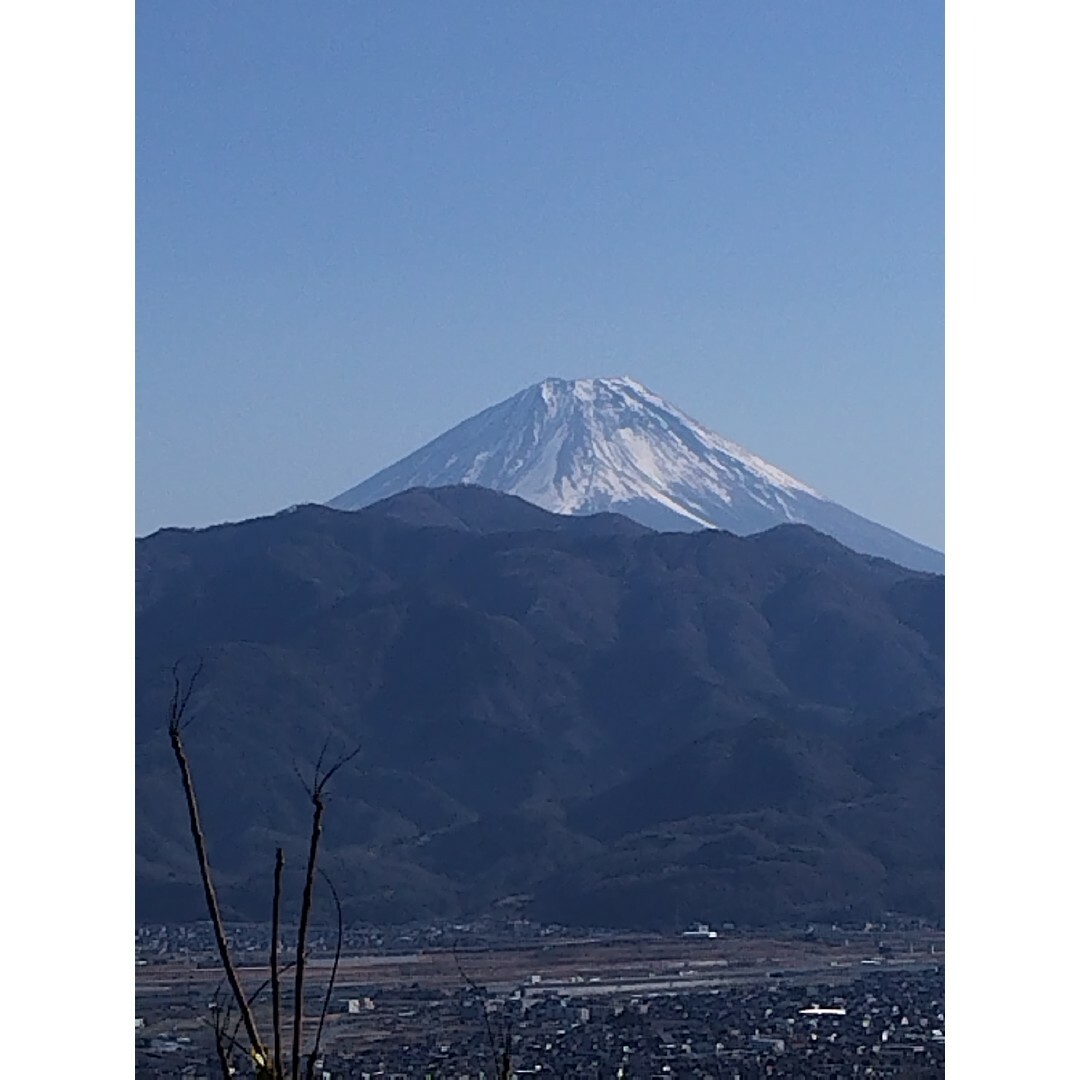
point(883, 1024)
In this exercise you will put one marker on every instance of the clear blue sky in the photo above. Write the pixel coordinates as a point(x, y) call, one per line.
point(359, 223)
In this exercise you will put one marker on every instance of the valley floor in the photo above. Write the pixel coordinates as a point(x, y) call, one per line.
point(644, 1006)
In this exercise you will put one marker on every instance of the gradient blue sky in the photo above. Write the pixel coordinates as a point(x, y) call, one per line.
point(359, 223)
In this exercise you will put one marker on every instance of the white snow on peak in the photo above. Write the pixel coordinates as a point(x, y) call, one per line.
point(583, 445)
point(580, 446)
point(640, 437)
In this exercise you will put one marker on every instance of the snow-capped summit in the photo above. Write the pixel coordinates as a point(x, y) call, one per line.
point(580, 446)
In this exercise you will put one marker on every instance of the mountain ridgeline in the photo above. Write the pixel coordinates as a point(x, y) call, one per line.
point(581, 446)
point(573, 717)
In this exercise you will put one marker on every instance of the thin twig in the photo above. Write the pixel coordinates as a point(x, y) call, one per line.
point(322, 755)
point(222, 1053)
point(221, 1021)
point(182, 695)
point(316, 791)
point(300, 777)
point(259, 990)
point(341, 761)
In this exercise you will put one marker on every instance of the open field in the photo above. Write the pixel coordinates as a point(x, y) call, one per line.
point(607, 961)
point(182, 990)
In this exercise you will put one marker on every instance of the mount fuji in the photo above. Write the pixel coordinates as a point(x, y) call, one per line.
point(584, 446)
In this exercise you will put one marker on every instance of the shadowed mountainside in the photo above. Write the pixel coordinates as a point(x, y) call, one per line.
point(606, 724)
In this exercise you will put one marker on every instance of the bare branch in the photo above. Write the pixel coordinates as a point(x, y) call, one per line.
point(333, 978)
point(220, 1022)
point(174, 703)
point(482, 991)
point(504, 1071)
point(275, 974)
point(178, 707)
point(303, 782)
point(334, 768)
point(319, 760)
point(301, 936)
point(261, 988)
point(233, 1040)
point(181, 696)
point(191, 686)
point(182, 691)
point(316, 791)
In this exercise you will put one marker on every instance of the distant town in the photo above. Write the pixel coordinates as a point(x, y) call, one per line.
point(452, 1000)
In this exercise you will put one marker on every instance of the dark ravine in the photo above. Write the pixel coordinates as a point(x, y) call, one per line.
point(606, 724)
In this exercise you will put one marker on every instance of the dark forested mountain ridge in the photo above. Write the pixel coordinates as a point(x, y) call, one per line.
point(609, 724)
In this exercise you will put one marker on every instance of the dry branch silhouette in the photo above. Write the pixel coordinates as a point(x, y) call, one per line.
point(266, 1067)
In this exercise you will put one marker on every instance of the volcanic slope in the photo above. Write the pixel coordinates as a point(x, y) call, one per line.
point(607, 724)
point(588, 445)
